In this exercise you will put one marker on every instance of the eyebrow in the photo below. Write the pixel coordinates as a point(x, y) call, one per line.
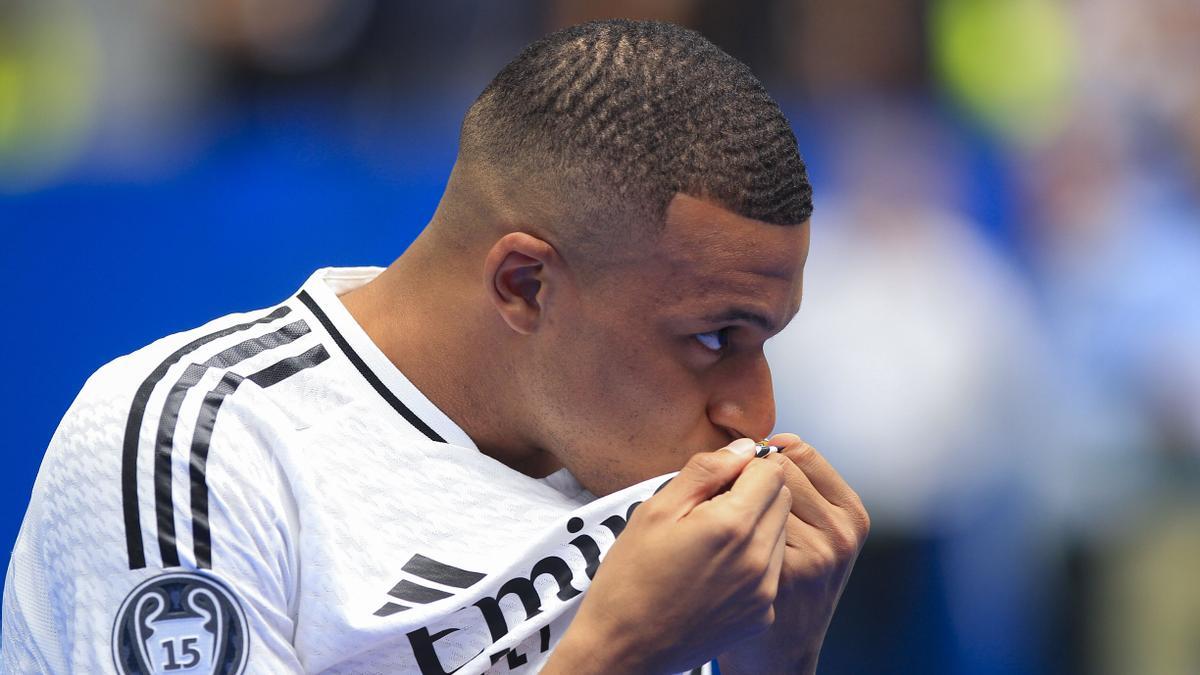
point(738, 314)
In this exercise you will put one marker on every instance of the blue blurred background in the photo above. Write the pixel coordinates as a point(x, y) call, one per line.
point(1000, 342)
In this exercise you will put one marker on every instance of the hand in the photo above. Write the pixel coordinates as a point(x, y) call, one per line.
point(694, 571)
point(825, 532)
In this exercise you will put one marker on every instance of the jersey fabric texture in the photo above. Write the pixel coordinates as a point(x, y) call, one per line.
point(269, 494)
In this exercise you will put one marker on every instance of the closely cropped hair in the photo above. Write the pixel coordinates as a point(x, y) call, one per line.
point(617, 116)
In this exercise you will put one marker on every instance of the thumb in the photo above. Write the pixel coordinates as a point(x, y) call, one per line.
point(705, 475)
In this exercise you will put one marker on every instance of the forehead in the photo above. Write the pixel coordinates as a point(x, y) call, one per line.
point(709, 256)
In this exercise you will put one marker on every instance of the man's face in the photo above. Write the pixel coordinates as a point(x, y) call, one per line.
point(662, 358)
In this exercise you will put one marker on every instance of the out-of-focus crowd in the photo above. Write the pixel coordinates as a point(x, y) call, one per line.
point(999, 344)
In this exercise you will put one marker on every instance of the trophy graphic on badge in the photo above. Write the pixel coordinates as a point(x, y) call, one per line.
point(180, 624)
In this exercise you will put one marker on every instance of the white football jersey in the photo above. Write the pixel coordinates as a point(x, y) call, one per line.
point(269, 494)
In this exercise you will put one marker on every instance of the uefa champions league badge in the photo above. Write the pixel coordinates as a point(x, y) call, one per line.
point(180, 623)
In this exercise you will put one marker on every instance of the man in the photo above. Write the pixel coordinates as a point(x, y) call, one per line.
point(398, 471)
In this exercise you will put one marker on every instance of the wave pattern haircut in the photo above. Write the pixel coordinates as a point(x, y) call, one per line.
point(624, 114)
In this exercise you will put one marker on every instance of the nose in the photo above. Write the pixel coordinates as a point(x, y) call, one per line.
point(743, 401)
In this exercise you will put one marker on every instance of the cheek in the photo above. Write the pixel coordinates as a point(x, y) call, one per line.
point(643, 394)
point(624, 408)
point(615, 380)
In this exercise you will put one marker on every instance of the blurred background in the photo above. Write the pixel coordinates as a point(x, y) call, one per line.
point(1000, 339)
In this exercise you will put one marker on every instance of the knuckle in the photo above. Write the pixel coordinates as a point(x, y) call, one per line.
point(728, 529)
point(843, 539)
point(758, 562)
point(824, 556)
point(863, 522)
point(858, 514)
point(704, 463)
point(650, 512)
point(763, 598)
point(764, 618)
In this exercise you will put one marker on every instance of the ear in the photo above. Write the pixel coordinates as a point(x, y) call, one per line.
point(519, 275)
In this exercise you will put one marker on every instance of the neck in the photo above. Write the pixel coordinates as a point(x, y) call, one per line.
point(426, 322)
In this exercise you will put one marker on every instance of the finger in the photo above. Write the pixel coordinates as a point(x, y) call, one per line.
point(775, 567)
point(779, 547)
point(705, 475)
point(820, 472)
point(774, 521)
point(808, 504)
point(771, 538)
point(756, 489)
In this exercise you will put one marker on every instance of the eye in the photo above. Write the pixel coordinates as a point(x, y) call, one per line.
point(714, 340)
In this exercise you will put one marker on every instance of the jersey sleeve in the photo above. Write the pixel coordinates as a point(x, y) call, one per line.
point(174, 552)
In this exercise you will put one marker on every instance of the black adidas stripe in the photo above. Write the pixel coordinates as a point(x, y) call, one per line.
point(267, 377)
point(133, 426)
point(432, 570)
point(168, 420)
point(416, 593)
point(427, 569)
point(366, 371)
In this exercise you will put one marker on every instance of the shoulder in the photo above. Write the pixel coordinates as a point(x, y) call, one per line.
point(140, 388)
point(135, 445)
point(165, 463)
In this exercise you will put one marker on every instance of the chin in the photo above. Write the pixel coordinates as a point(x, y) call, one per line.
point(609, 479)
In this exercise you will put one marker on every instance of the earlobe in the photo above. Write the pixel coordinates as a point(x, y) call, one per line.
point(516, 280)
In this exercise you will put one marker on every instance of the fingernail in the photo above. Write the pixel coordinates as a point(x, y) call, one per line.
point(742, 446)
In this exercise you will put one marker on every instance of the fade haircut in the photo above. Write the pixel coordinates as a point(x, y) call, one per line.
point(612, 118)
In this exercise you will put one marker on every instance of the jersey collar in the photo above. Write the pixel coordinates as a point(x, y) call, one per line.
point(320, 294)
